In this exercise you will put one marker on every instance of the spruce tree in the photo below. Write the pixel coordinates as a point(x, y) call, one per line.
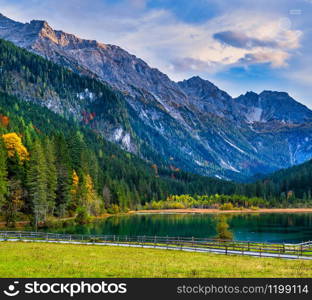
point(51, 174)
point(64, 175)
point(37, 181)
point(3, 174)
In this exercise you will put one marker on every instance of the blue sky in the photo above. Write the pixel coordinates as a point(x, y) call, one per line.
point(240, 45)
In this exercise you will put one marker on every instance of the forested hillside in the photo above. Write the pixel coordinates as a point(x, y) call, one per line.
point(53, 166)
point(294, 182)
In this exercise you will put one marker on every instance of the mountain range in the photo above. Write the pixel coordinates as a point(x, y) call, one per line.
point(190, 124)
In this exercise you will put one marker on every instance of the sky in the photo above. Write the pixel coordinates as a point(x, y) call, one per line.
point(239, 45)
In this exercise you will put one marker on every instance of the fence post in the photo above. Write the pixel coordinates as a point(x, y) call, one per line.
point(226, 249)
point(155, 238)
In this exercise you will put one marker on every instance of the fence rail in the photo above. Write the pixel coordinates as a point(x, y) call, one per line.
point(302, 250)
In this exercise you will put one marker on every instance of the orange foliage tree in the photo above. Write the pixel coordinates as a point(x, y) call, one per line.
point(4, 120)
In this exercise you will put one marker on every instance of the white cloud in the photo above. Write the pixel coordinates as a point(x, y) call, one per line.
point(169, 43)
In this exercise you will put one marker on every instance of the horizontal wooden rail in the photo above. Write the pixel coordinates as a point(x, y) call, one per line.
point(182, 243)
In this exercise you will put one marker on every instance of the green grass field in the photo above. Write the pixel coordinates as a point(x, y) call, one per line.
point(20, 259)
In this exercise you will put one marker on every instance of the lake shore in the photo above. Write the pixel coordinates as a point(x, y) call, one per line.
point(218, 211)
point(23, 224)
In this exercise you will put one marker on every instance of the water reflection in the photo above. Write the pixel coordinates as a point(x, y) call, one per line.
point(253, 227)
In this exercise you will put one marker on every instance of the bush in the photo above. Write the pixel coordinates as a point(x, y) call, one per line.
point(82, 216)
point(52, 222)
point(69, 223)
point(227, 206)
point(156, 205)
point(113, 209)
point(223, 229)
point(254, 207)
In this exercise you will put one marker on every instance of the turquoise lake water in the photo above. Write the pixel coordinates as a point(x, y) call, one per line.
point(269, 227)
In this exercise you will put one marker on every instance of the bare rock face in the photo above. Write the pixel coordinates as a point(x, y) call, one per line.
point(192, 124)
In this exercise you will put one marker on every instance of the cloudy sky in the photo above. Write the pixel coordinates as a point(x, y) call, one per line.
point(240, 45)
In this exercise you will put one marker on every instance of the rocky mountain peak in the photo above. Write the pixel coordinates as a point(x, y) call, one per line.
point(203, 89)
point(41, 24)
point(43, 29)
point(251, 94)
point(197, 81)
point(274, 106)
point(268, 93)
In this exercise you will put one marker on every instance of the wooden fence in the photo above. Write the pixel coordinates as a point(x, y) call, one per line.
point(302, 250)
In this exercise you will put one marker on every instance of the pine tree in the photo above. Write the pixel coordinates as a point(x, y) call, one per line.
point(3, 174)
point(64, 174)
point(14, 202)
point(51, 174)
point(37, 181)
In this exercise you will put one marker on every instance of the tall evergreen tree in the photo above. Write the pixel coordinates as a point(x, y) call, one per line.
point(51, 174)
point(64, 176)
point(3, 174)
point(37, 180)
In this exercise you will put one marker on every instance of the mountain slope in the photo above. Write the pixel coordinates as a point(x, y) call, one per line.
point(191, 124)
point(130, 180)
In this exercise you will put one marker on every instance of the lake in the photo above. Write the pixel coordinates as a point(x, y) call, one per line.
point(266, 227)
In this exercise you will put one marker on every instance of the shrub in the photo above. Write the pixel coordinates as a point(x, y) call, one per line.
point(113, 209)
point(227, 206)
point(254, 207)
point(69, 223)
point(52, 222)
point(223, 229)
point(82, 216)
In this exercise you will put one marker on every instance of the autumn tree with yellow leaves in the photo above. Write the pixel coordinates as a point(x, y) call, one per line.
point(89, 197)
point(13, 144)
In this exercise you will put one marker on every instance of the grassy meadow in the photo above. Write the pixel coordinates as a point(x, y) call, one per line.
point(21, 259)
